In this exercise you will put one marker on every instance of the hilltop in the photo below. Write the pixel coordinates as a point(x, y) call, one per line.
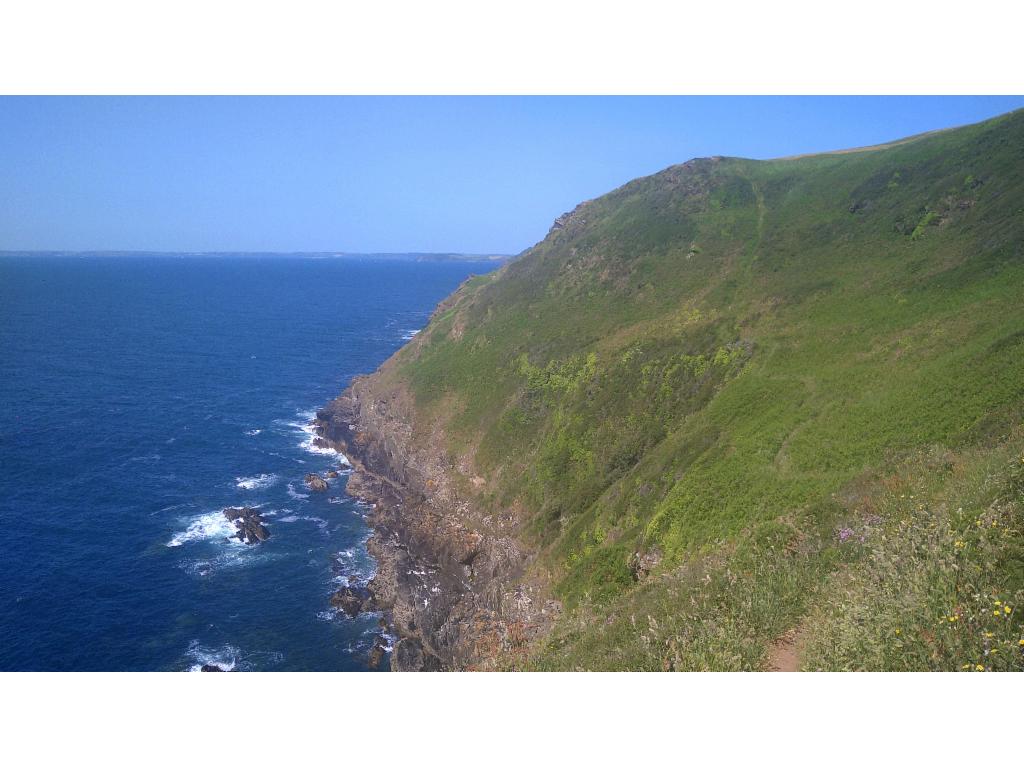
point(735, 415)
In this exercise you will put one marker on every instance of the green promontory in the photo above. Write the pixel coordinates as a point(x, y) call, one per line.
point(742, 398)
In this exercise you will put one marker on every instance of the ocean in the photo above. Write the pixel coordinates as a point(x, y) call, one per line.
point(139, 396)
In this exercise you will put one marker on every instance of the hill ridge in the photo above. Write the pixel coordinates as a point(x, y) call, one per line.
point(642, 442)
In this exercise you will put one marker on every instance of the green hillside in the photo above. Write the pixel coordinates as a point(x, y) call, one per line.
point(793, 389)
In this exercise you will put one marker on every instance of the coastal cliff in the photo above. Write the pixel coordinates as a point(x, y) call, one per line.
point(667, 436)
point(450, 579)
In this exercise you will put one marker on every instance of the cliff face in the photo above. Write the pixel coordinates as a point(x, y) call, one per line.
point(451, 579)
point(631, 447)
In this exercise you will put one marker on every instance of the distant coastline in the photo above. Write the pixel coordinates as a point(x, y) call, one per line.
point(446, 257)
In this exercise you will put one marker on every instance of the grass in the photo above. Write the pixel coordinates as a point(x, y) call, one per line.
point(700, 362)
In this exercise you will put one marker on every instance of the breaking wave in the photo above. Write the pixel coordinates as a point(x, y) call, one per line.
point(257, 483)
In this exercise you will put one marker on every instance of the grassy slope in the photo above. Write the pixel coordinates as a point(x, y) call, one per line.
point(713, 362)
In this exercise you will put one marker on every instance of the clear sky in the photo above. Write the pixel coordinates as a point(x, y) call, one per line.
point(471, 175)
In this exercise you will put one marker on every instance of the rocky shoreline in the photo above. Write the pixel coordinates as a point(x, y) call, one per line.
point(451, 583)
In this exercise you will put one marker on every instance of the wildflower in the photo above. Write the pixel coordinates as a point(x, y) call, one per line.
point(998, 603)
point(1021, 642)
point(953, 618)
point(995, 613)
point(979, 667)
point(1006, 609)
point(959, 544)
point(988, 634)
point(968, 666)
point(898, 632)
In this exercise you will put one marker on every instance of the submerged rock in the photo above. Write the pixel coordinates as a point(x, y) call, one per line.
point(333, 473)
point(249, 523)
point(211, 668)
point(315, 482)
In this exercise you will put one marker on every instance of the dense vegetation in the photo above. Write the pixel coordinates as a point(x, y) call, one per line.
point(794, 387)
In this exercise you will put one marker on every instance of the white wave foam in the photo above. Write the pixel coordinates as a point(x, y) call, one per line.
point(257, 483)
point(409, 334)
point(212, 525)
point(295, 494)
point(230, 658)
point(225, 657)
point(253, 432)
point(309, 445)
point(354, 566)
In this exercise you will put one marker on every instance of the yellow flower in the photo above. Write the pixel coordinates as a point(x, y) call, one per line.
point(968, 666)
point(998, 603)
point(995, 613)
point(959, 544)
point(979, 667)
point(988, 634)
point(952, 618)
point(1021, 641)
point(897, 631)
point(1006, 609)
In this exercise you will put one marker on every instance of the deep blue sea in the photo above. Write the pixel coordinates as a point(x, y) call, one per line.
point(140, 395)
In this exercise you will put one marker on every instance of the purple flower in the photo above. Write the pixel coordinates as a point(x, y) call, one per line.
point(845, 533)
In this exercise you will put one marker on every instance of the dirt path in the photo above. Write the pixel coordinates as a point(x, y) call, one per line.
point(786, 651)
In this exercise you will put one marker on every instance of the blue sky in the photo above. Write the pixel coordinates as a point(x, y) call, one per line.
point(473, 175)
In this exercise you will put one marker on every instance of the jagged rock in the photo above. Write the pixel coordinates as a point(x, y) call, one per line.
point(211, 668)
point(333, 473)
point(441, 581)
point(377, 653)
point(249, 524)
point(353, 600)
point(315, 482)
point(409, 656)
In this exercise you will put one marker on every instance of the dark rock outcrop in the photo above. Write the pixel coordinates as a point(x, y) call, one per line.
point(211, 668)
point(249, 524)
point(353, 600)
point(315, 482)
point(377, 652)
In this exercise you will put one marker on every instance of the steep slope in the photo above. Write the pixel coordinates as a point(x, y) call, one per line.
point(641, 443)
